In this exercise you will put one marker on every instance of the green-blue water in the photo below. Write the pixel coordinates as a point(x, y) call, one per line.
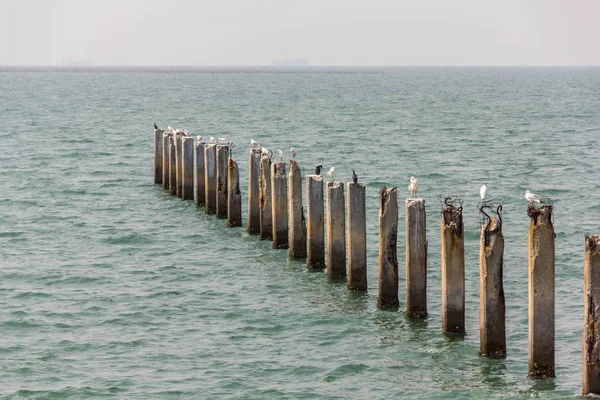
point(110, 287)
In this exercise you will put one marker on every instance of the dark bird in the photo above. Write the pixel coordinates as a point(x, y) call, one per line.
point(155, 126)
point(354, 177)
point(318, 169)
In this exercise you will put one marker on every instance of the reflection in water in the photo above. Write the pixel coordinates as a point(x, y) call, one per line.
point(493, 371)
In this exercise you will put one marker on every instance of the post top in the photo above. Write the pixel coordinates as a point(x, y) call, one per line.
point(314, 178)
point(418, 200)
point(592, 242)
point(358, 184)
point(335, 184)
point(534, 212)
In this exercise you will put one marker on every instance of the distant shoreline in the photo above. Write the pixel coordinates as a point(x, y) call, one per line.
point(257, 69)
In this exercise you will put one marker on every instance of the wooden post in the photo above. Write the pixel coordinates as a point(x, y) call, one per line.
point(591, 316)
point(210, 178)
point(234, 197)
point(336, 230)
point(172, 166)
point(165, 160)
point(492, 332)
point(266, 210)
point(178, 163)
point(199, 180)
point(297, 221)
point(279, 205)
point(222, 160)
point(541, 292)
point(357, 237)
point(187, 176)
point(253, 191)
point(416, 259)
point(316, 217)
point(158, 153)
point(388, 260)
point(453, 270)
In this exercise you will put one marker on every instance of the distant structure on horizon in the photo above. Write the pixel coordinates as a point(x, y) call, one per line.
point(287, 61)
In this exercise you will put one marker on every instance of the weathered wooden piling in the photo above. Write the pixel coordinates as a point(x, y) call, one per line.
point(316, 218)
point(591, 316)
point(222, 192)
point(541, 292)
point(234, 197)
point(199, 180)
point(178, 163)
point(453, 270)
point(492, 331)
point(336, 230)
point(253, 191)
point(388, 260)
point(158, 154)
point(357, 237)
point(165, 160)
point(279, 205)
point(416, 259)
point(210, 178)
point(172, 166)
point(297, 221)
point(265, 210)
point(187, 175)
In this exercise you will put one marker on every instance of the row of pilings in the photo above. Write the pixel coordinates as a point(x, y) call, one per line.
point(335, 240)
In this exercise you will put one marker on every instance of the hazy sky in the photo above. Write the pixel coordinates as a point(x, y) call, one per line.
point(327, 32)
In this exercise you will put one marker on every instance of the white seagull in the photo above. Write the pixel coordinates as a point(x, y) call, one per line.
point(482, 192)
point(293, 153)
point(413, 187)
point(264, 151)
point(186, 132)
point(254, 143)
point(331, 173)
point(280, 154)
point(198, 138)
point(171, 128)
point(212, 140)
point(222, 140)
point(532, 197)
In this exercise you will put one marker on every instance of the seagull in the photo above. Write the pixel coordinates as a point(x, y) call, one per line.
point(171, 129)
point(318, 169)
point(533, 198)
point(212, 140)
point(482, 192)
point(331, 173)
point(264, 151)
point(413, 188)
point(155, 126)
point(293, 153)
point(280, 154)
point(198, 138)
point(354, 177)
point(222, 140)
point(186, 132)
point(254, 143)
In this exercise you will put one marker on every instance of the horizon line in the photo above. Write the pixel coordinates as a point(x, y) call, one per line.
point(298, 66)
